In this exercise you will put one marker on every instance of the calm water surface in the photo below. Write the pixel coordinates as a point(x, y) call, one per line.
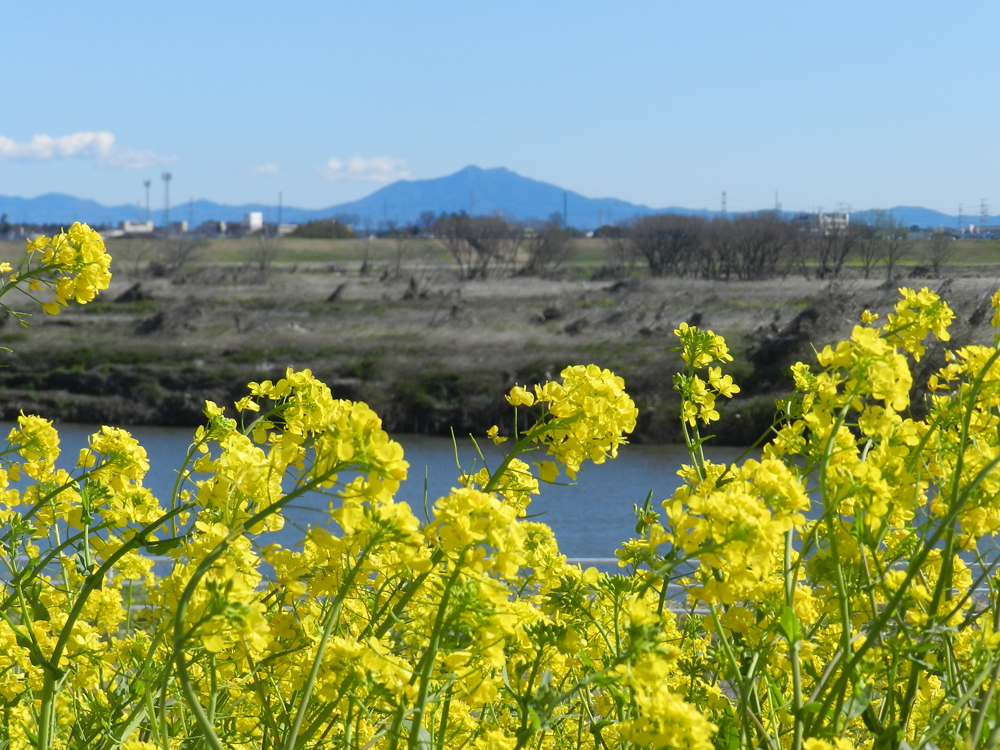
point(590, 519)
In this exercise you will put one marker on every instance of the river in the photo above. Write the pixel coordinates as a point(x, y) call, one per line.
point(590, 519)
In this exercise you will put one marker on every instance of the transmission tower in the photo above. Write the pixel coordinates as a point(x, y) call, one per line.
point(723, 204)
point(147, 183)
point(959, 215)
point(166, 199)
point(984, 212)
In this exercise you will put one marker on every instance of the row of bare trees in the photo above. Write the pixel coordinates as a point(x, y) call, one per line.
point(745, 247)
point(764, 245)
point(489, 245)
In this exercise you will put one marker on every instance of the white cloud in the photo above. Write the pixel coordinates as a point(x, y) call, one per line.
point(99, 146)
point(265, 169)
point(46, 148)
point(127, 158)
point(360, 169)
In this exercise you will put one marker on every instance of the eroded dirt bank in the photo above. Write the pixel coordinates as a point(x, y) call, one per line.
point(427, 352)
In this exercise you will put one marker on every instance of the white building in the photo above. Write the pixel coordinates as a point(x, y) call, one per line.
point(833, 223)
point(137, 227)
point(253, 221)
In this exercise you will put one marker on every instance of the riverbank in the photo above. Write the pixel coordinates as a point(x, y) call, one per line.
point(427, 351)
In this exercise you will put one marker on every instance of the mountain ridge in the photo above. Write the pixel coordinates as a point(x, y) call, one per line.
point(473, 190)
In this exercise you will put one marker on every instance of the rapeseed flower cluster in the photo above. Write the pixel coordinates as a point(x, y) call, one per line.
point(837, 591)
point(700, 349)
point(587, 416)
point(74, 264)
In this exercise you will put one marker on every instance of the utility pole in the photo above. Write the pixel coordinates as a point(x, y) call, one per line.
point(777, 203)
point(166, 200)
point(147, 183)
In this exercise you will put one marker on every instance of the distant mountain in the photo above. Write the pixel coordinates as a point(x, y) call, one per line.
point(489, 191)
point(56, 208)
point(473, 190)
point(924, 217)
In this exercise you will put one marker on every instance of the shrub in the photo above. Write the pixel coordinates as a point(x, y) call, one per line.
point(324, 229)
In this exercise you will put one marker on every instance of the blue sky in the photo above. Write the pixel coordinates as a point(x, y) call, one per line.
point(870, 104)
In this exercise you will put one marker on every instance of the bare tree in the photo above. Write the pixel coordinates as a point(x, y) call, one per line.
point(868, 248)
point(134, 253)
point(894, 241)
point(618, 250)
point(831, 248)
point(548, 249)
point(402, 242)
point(758, 243)
point(451, 232)
point(496, 244)
point(425, 222)
point(367, 250)
point(717, 259)
point(669, 243)
point(178, 252)
point(266, 248)
point(478, 244)
point(940, 248)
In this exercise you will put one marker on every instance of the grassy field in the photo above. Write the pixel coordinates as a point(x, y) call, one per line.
point(589, 253)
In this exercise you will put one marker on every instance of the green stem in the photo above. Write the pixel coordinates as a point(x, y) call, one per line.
point(793, 648)
point(293, 741)
point(430, 656)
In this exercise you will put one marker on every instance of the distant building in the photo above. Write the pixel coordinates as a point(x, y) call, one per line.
point(284, 229)
point(178, 227)
point(253, 222)
point(136, 227)
point(828, 224)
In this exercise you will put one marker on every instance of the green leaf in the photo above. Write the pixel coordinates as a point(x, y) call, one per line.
point(857, 703)
point(158, 548)
point(534, 722)
point(789, 625)
point(423, 736)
